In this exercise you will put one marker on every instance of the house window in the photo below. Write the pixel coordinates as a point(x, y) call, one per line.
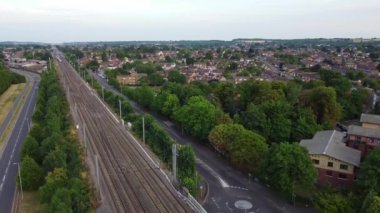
point(330, 164)
point(316, 161)
point(342, 176)
point(343, 166)
point(329, 173)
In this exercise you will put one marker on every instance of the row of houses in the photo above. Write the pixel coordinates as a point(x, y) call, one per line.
point(337, 155)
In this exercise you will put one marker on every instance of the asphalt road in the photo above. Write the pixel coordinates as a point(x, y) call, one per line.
point(226, 184)
point(11, 153)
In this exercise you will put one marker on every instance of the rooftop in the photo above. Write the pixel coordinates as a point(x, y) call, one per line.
point(362, 131)
point(369, 118)
point(331, 143)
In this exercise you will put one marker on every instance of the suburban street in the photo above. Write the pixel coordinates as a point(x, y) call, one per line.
point(11, 152)
point(227, 186)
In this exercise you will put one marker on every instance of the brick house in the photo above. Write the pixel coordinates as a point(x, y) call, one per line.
point(366, 137)
point(336, 163)
point(131, 79)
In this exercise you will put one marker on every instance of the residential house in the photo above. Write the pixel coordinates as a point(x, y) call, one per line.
point(336, 163)
point(365, 138)
point(131, 79)
point(370, 121)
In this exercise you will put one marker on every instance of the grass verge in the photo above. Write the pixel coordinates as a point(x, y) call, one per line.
point(31, 203)
point(12, 123)
point(8, 98)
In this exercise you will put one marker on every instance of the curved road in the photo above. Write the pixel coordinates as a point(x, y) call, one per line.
point(226, 184)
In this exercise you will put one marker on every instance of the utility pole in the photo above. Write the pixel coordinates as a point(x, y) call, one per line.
point(97, 170)
point(19, 177)
point(120, 109)
point(84, 135)
point(27, 121)
point(174, 152)
point(103, 93)
point(143, 127)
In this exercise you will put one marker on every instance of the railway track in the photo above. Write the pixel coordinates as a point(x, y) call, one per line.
point(133, 182)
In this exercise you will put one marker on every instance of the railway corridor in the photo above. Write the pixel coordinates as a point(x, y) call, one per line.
point(129, 180)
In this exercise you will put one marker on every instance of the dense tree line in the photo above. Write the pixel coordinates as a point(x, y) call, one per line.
point(8, 78)
point(51, 155)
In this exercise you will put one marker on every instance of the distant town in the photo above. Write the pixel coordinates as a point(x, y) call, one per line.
point(250, 124)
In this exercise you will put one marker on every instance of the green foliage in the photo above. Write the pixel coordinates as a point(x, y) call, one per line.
point(55, 180)
point(323, 102)
point(30, 148)
point(332, 202)
point(93, 65)
point(288, 166)
point(248, 150)
point(305, 125)
point(50, 145)
point(8, 78)
point(157, 139)
point(155, 79)
point(31, 174)
point(203, 116)
point(374, 206)
point(176, 77)
point(244, 148)
point(186, 162)
point(60, 202)
point(270, 119)
point(369, 172)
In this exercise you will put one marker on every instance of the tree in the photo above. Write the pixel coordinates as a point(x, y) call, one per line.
point(176, 77)
point(170, 105)
point(93, 65)
point(288, 166)
point(61, 202)
point(292, 92)
point(145, 96)
point(55, 159)
point(186, 161)
point(332, 202)
point(30, 148)
point(197, 116)
point(54, 180)
point(271, 119)
point(370, 171)
point(31, 174)
point(80, 192)
point(155, 79)
point(322, 101)
point(225, 93)
point(305, 125)
point(104, 56)
point(222, 136)
point(374, 206)
point(248, 150)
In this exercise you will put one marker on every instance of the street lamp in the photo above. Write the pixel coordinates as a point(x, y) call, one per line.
point(19, 177)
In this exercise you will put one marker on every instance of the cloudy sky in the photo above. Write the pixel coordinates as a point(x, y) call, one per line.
point(91, 20)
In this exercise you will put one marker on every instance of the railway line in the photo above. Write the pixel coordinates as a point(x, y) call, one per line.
point(131, 181)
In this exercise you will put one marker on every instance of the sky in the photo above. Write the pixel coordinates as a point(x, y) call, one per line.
point(125, 20)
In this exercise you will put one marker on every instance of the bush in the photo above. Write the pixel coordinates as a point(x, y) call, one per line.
point(31, 174)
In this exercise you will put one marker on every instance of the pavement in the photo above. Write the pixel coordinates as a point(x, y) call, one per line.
point(11, 154)
point(229, 189)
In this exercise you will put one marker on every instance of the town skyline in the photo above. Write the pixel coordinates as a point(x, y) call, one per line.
point(78, 21)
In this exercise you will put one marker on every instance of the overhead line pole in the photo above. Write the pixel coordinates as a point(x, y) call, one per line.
point(143, 127)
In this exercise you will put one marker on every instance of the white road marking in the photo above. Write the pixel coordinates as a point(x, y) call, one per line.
point(17, 141)
point(213, 173)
